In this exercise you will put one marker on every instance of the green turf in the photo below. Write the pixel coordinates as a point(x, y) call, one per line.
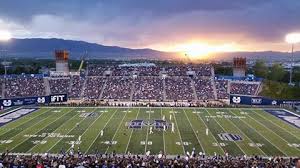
point(55, 129)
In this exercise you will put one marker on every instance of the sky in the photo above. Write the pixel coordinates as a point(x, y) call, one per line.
point(168, 25)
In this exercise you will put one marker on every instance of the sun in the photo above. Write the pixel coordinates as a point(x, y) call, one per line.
point(201, 50)
point(5, 35)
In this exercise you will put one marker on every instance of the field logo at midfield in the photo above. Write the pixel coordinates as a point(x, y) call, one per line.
point(236, 100)
point(157, 124)
point(91, 115)
point(230, 137)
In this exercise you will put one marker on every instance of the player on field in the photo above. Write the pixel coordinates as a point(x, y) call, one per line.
point(150, 131)
point(173, 128)
point(101, 133)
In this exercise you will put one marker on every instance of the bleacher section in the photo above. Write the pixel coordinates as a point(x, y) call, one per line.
point(59, 85)
point(148, 88)
point(24, 87)
point(180, 83)
point(118, 88)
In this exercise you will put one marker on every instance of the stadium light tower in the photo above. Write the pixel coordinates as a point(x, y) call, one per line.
point(5, 36)
point(292, 38)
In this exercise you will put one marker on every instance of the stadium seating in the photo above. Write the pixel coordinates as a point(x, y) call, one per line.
point(122, 71)
point(197, 160)
point(179, 88)
point(93, 87)
point(59, 85)
point(94, 70)
point(222, 89)
point(243, 88)
point(118, 88)
point(24, 87)
point(76, 86)
point(149, 71)
point(163, 83)
point(204, 88)
point(148, 88)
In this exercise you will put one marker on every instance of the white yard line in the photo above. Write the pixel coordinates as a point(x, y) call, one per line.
point(245, 134)
point(131, 132)
point(198, 115)
point(261, 135)
point(225, 130)
point(88, 128)
point(68, 132)
point(178, 131)
point(161, 114)
point(117, 129)
point(28, 151)
point(99, 132)
point(43, 127)
point(147, 135)
point(194, 131)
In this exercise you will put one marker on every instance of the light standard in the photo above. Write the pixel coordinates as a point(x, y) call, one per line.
point(5, 36)
point(292, 38)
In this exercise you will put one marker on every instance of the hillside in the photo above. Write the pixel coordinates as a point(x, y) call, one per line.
point(44, 48)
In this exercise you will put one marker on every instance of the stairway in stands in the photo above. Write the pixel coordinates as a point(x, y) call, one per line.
point(47, 86)
point(214, 88)
point(3, 89)
point(164, 89)
point(194, 89)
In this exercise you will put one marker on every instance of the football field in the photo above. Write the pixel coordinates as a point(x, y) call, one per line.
point(174, 131)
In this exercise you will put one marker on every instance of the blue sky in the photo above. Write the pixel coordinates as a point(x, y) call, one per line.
point(160, 24)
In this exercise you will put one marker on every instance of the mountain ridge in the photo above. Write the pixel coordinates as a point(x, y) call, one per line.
point(45, 47)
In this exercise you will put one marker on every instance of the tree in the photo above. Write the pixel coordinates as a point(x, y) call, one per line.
point(277, 72)
point(260, 69)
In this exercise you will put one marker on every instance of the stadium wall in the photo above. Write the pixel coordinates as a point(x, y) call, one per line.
point(258, 100)
point(33, 100)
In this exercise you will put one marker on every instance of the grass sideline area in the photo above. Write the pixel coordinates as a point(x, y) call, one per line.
point(237, 131)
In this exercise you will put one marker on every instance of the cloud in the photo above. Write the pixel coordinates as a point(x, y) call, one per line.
point(136, 23)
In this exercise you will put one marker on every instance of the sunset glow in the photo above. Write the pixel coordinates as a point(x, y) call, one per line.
point(5, 35)
point(201, 50)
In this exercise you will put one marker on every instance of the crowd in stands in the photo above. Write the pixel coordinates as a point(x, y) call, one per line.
point(204, 89)
point(93, 87)
point(243, 88)
point(94, 70)
point(24, 87)
point(222, 89)
point(118, 88)
point(122, 71)
point(148, 88)
point(79, 160)
point(203, 70)
point(76, 86)
point(179, 88)
point(149, 71)
point(176, 70)
point(59, 85)
point(132, 83)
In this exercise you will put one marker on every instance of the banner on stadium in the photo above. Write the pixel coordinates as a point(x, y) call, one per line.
point(33, 100)
point(258, 100)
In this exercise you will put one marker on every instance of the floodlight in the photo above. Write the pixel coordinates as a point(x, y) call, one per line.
point(292, 38)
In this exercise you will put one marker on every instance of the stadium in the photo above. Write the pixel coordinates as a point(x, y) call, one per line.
point(158, 84)
point(133, 109)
